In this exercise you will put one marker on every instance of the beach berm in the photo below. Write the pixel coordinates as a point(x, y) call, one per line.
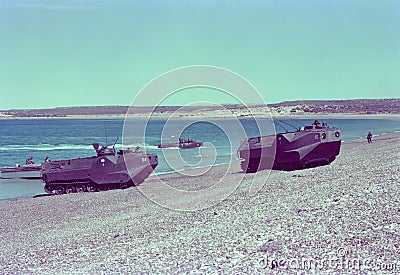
point(342, 217)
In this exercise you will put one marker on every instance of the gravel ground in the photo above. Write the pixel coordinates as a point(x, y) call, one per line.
point(337, 218)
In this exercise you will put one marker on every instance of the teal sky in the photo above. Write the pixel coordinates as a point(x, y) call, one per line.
point(97, 52)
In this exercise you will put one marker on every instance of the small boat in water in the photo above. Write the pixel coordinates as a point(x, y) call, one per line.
point(29, 171)
point(182, 144)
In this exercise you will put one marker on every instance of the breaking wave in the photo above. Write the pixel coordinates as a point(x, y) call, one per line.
point(53, 147)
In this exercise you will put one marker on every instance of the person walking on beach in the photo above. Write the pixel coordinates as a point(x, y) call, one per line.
point(369, 137)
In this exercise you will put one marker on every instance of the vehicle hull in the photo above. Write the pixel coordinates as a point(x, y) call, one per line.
point(290, 151)
point(98, 173)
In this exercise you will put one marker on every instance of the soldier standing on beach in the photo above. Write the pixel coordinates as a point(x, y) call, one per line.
point(369, 137)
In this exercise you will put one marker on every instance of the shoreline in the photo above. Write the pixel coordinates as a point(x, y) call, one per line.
point(384, 136)
point(211, 117)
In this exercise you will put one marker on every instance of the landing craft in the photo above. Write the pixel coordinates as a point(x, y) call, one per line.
point(182, 144)
point(309, 146)
point(29, 171)
point(107, 170)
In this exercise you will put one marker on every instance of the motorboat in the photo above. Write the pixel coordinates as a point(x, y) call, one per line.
point(29, 171)
point(182, 144)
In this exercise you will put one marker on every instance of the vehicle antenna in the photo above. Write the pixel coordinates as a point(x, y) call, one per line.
point(287, 123)
point(105, 131)
point(115, 142)
point(280, 125)
point(298, 120)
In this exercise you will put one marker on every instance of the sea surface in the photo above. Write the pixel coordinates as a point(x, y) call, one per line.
point(73, 138)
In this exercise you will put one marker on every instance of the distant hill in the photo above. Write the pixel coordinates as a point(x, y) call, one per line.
point(90, 111)
point(354, 106)
point(67, 111)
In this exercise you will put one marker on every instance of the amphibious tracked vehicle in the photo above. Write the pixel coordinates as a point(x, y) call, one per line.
point(308, 146)
point(107, 170)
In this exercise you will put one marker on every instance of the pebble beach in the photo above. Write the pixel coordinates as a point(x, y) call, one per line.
point(343, 218)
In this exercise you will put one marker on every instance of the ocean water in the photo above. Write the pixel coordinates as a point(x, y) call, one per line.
point(72, 138)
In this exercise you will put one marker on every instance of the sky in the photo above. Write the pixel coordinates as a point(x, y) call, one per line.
point(63, 53)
